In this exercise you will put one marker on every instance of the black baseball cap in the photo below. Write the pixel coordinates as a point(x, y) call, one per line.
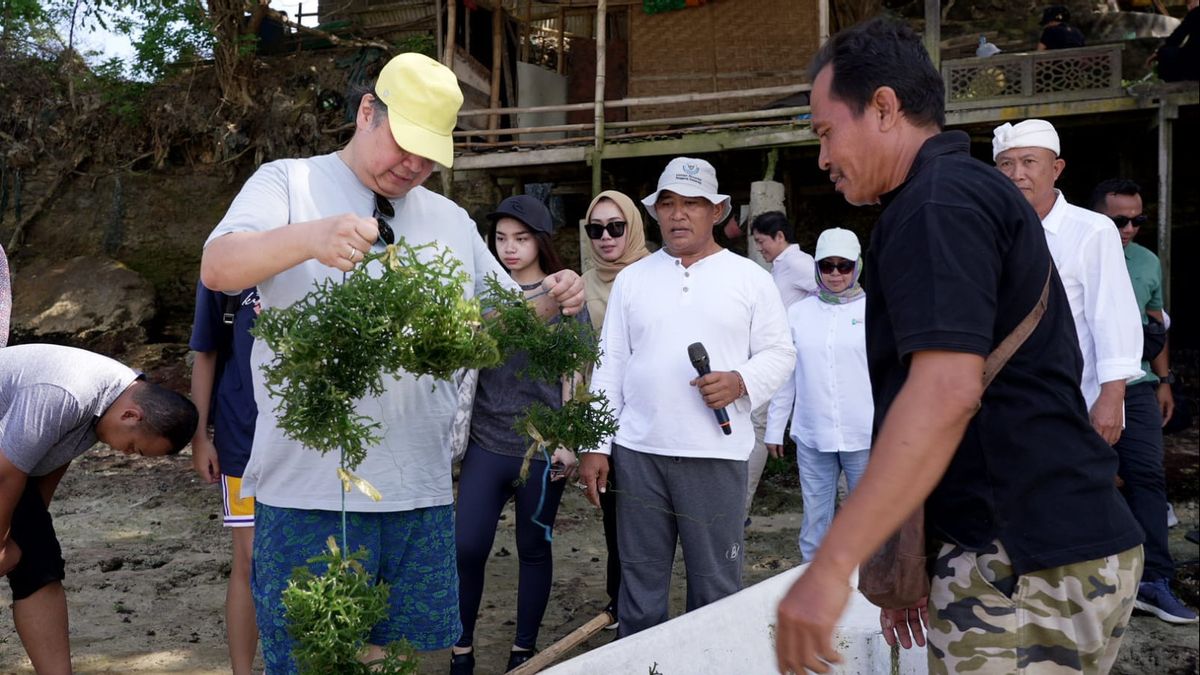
point(527, 209)
point(1055, 13)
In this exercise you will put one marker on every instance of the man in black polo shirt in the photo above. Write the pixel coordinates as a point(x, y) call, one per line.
point(1037, 556)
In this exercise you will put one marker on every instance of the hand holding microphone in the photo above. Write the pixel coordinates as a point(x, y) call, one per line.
point(719, 389)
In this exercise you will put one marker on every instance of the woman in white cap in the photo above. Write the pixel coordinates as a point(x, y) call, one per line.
point(829, 395)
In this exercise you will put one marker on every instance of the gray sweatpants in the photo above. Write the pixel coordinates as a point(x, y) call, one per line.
point(700, 502)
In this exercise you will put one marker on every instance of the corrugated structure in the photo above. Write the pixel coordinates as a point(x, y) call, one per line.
point(723, 45)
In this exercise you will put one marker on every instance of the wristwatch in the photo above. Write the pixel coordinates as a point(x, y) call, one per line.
point(1169, 378)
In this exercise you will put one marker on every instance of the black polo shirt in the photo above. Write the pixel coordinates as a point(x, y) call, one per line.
point(957, 260)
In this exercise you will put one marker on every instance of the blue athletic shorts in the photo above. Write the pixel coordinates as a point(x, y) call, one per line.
point(412, 551)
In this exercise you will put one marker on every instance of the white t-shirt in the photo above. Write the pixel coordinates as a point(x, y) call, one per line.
point(657, 308)
point(795, 275)
point(1086, 248)
point(411, 465)
point(50, 400)
point(828, 396)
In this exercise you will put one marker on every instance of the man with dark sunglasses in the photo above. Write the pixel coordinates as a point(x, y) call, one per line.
point(301, 221)
point(1148, 405)
point(1087, 253)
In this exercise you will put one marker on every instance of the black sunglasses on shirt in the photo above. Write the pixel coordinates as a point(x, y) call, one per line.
point(1137, 221)
point(384, 209)
point(596, 230)
point(828, 266)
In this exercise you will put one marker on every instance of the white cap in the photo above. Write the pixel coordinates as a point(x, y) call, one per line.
point(689, 177)
point(838, 242)
point(1027, 134)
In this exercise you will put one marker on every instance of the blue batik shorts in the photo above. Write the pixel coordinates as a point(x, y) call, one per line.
point(412, 551)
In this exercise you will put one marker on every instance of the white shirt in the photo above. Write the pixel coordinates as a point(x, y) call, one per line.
point(1086, 248)
point(829, 394)
point(657, 308)
point(411, 464)
point(795, 275)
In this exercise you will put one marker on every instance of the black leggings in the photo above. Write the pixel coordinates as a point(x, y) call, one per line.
point(485, 484)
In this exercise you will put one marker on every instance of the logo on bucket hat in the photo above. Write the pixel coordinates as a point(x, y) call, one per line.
point(689, 177)
point(423, 98)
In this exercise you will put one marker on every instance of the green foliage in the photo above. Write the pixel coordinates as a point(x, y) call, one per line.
point(422, 43)
point(583, 422)
point(331, 615)
point(334, 345)
point(555, 349)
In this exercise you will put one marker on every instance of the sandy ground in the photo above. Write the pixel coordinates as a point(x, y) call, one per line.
point(147, 563)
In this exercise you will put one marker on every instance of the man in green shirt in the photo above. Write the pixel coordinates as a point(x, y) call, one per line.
point(1148, 405)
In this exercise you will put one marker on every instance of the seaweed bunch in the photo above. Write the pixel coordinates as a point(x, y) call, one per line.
point(331, 615)
point(582, 422)
point(555, 349)
point(335, 344)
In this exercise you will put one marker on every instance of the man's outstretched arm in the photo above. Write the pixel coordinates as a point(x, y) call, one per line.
point(916, 442)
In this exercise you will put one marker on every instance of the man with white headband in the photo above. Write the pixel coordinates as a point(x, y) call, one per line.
point(681, 475)
point(1087, 251)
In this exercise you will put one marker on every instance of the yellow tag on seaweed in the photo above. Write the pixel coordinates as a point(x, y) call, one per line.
point(333, 547)
point(363, 486)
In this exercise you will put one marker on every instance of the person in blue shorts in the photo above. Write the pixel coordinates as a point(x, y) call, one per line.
point(224, 395)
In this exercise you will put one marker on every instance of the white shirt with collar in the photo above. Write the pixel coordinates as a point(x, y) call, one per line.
point(1086, 248)
point(828, 396)
point(657, 308)
point(795, 274)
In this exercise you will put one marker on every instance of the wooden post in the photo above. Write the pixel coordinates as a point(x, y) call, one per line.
point(467, 28)
point(497, 57)
point(437, 10)
point(822, 21)
point(562, 39)
point(451, 29)
point(601, 32)
point(933, 32)
point(526, 32)
point(1167, 113)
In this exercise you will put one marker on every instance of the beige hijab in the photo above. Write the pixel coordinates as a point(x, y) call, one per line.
point(599, 278)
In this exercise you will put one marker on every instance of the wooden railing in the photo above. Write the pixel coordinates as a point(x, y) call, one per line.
point(1033, 77)
point(586, 133)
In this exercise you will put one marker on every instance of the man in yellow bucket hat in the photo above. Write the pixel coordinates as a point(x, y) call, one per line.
point(300, 221)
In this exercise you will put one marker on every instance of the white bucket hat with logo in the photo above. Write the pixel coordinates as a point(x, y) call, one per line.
point(689, 177)
point(837, 242)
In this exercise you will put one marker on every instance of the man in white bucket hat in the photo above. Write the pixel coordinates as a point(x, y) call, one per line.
point(300, 221)
point(682, 474)
point(1087, 251)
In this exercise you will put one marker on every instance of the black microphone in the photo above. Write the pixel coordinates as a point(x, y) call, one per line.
point(698, 355)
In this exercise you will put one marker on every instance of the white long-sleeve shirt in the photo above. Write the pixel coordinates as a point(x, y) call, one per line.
point(795, 275)
point(1086, 248)
point(828, 396)
point(657, 308)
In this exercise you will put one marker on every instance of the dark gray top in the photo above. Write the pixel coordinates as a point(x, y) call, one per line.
point(503, 395)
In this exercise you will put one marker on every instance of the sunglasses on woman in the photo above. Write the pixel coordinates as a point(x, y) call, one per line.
point(384, 209)
point(828, 266)
point(1136, 221)
point(596, 230)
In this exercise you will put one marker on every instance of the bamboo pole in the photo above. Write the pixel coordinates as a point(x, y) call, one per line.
point(526, 31)
point(601, 33)
point(933, 32)
point(572, 640)
point(652, 100)
point(1167, 114)
point(562, 34)
point(451, 29)
point(497, 67)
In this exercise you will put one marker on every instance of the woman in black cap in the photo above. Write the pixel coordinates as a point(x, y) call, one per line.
point(519, 237)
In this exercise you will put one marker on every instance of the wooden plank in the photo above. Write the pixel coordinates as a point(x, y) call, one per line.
point(713, 142)
point(498, 160)
point(655, 100)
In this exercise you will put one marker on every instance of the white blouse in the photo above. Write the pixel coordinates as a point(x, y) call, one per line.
point(829, 394)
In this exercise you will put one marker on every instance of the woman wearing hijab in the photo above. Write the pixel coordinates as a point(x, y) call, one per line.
point(829, 395)
point(614, 227)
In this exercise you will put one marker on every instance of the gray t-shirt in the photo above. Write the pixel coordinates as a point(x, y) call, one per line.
point(50, 400)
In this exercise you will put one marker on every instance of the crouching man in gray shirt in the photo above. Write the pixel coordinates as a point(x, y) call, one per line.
point(55, 403)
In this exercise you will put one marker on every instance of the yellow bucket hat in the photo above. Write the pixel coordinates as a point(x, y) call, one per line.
point(423, 98)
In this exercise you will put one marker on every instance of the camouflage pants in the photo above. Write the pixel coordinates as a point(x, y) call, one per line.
point(1069, 619)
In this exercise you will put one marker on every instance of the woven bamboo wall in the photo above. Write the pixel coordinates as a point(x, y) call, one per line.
point(722, 45)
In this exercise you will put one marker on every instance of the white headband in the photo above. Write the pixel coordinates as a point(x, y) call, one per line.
point(1027, 134)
